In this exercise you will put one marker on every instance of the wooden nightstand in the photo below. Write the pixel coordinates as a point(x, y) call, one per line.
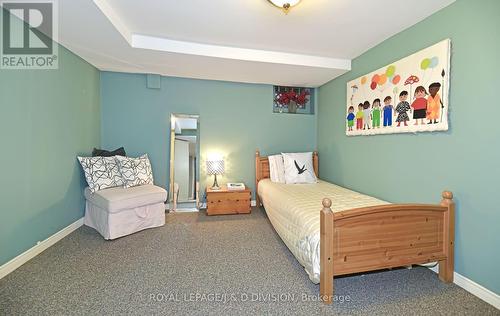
point(223, 201)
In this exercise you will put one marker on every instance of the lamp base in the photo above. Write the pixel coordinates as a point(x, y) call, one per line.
point(215, 186)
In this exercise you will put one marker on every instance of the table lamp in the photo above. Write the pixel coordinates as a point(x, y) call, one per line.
point(215, 167)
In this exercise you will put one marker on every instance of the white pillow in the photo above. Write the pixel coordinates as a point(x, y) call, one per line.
point(101, 172)
point(299, 168)
point(276, 168)
point(135, 171)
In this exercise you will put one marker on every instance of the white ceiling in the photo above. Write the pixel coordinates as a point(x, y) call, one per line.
point(243, 40)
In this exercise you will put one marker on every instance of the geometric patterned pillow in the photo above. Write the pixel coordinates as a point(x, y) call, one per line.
point(135, 171)
point(101, 172)
point(114, 171)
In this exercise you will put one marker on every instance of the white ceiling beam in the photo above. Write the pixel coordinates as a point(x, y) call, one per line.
point(191, 48)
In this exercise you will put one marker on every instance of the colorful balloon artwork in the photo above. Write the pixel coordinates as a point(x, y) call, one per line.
point(382, 79)
point(434, 62)
point(396, 79)
point(390, 71)
point(427, 63)
point(379, 80)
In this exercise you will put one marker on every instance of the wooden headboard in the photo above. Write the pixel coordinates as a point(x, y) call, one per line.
point(262, 170)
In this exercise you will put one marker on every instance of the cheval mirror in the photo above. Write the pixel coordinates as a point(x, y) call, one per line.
point(184, 163)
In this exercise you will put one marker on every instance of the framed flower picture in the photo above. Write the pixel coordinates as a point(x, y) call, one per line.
point(293, 100)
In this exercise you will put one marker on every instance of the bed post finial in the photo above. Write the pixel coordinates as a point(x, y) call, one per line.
point(257, 153)
point(447, 266)
point(447, 195)
point(327, 203)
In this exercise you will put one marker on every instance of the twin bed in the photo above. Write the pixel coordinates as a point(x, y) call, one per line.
point(354, 232)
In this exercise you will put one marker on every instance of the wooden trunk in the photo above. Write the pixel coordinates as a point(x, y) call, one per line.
point(228, 202)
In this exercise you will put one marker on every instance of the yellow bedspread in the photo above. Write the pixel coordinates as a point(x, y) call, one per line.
point(294, 209)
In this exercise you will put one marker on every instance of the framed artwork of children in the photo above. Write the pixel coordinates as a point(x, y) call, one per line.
point(407, 96)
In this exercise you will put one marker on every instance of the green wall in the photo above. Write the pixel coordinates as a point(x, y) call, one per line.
point(47, 118)
point(408, 168)
point(235, 119)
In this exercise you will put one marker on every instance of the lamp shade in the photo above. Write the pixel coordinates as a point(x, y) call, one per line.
point(215, 166)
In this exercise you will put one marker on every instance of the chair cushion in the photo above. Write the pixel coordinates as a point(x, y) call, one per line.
point(115, 199)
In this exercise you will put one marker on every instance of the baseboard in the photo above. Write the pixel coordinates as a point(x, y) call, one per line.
point(187, 210)
point(38, 248)
point(204, 205)
point(472, 287)
point(180, 210)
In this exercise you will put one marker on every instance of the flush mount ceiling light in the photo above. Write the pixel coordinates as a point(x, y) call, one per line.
point(284, 5)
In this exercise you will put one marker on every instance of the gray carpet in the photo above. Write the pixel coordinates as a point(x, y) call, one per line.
point(199, 265)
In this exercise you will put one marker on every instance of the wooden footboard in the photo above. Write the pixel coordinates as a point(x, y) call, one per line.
point(385, 236)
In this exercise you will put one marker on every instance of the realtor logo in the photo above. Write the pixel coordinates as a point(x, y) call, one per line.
point(29, 35)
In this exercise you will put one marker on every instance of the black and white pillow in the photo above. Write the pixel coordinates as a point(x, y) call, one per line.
point(135, 171)
point(299, 168)
point(101, 172)
point(106, 153)
point(114, 170)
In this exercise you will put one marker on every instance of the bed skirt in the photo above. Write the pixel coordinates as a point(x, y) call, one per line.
point(124, 222)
